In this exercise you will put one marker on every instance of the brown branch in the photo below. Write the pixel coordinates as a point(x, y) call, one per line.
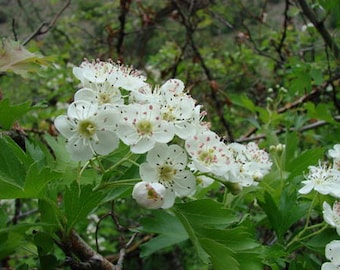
point(88, 258)
point(320, 27)
point(283, 130)
point(284, 34)
point(212, 83)
point(295, 103)
point(124, 9)
point(44, 27)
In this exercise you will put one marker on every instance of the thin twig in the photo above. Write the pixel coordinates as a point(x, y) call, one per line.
point(189, 32)
point(284, 34)
point(320, 27)
point(283, 130)
point(44, 27)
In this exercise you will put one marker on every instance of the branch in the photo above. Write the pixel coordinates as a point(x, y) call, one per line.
point(284, 34)
point(212, 83)
point(124, 9)
point(73, 244)
point(295, 104)
point(320, 27)
point(44, 27)
point(283, 130)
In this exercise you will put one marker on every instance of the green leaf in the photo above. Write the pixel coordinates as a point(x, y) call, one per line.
point(284, 215)
point(37, 179)
point(222, 258)
point(50, 213)
point(169, 228)
point(207, 212)
point(79, 201)
point(300, 164)
point(193, 237)
point(19, 176)
point(12, 168)
point(10, 113)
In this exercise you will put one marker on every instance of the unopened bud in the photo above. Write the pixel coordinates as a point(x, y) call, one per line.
point(234, 188)
point(149, 195)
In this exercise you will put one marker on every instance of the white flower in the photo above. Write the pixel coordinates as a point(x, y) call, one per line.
point(323, 179)
point(88, 130)
point(172, 87)
point(209, 154)
point(93, 72)
point(250, 164)
point(335, 154)
point(102, 93)
point(149, 195)
point(332, 216)
point(167, 165)
point(333, 254)
point(179, 110)
point(110, 73)
point(141, 127)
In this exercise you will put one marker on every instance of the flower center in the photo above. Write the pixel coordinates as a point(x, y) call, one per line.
point(104, 98)
point(207, 157)
point(144, 127)
point(167, 173)
point(86, 128)
point(168, 115)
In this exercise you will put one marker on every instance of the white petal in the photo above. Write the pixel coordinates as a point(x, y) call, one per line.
point(148, 173)
point(158, 154)
point(107, 116)
point(307, 188)
point(78, 149)
point(66, 127)
point(328, 214)
point(107, 142)
point(172, 86)
point(127, 134)
point(143, 145)
point(185, 183)
point(81, 110)
point(333, 252)
point(164, 132)
point(328, 266)
point(178, 156)
point(86, 94)
point(184, 130)
point(169, 199)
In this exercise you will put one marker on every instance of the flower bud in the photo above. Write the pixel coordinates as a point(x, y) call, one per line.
point(149, 195)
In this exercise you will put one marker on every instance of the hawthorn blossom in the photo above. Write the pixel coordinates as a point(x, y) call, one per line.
point(332, 253)
point(332, 215)
point(93, 72)
point(109, 73)
point(166, 165)
point(89, 130)
point(102, 95)
point(179, 111)
point(208, 153)
point(141, 127)
point(323, 179)
point(335, 155)
point(149, 195)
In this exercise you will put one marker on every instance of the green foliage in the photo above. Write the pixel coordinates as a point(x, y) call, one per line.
point(263, 73)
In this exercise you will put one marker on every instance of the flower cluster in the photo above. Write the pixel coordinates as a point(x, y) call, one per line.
point(115, 103)
point(325, 179)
